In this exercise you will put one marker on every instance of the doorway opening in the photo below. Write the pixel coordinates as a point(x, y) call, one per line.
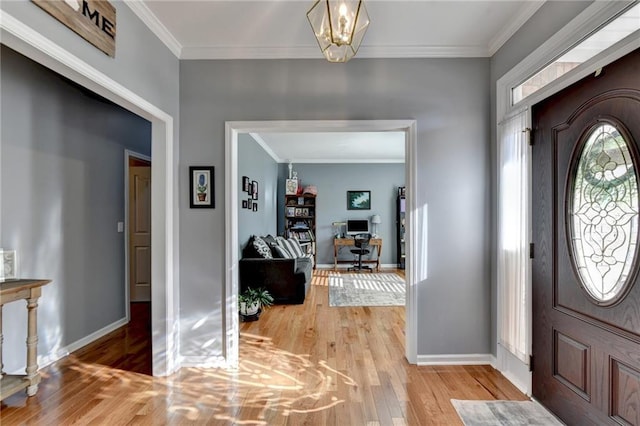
point(233, 129)
point(164, 255)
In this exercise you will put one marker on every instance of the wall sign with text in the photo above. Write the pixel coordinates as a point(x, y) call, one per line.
point(93, 20)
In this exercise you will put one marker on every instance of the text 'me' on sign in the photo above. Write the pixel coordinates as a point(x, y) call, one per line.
point(93, 20)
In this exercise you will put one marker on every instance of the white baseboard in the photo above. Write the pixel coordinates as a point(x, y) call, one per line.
point(462, 359)
point(346, 265)
point(494, 361)
point(58, 354)
point(203, 361)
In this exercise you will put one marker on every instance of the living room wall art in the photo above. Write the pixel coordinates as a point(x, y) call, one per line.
point(358, 200)
point(201, 187)
point(246, 184)
point(254, 190)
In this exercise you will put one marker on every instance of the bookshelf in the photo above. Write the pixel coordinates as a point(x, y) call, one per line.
point(300, 220)
point(400, 227)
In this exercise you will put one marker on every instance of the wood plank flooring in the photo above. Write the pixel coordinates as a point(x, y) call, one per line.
point(307, 364)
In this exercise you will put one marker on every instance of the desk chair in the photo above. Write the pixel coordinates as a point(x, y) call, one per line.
point(361, 243)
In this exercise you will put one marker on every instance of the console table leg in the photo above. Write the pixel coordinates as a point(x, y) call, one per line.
point(32, 346)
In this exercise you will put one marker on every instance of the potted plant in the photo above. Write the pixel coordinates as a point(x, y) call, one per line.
point(202, 188)
point(251, 302)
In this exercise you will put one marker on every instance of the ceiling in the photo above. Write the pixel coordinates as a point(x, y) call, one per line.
point(277, 29)
point(334, 147)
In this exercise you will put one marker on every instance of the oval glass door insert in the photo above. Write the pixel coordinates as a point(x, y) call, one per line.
point(603, 213)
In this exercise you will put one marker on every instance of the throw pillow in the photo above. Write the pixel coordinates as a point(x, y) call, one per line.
point(269, 240)
point(262, 248)
point(249, 251)
point(297, 248)
point(280, 252)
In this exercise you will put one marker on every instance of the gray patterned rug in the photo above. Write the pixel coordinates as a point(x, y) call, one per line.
point(507, 413)
point(366, 289)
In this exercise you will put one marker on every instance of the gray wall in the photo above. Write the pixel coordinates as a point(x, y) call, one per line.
point(143, 65)
point(449, 98)
point(333, 181)
point(255, 163)
point(547, 21)
point(62, 195)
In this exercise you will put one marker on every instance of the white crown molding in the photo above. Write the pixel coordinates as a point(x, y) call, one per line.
point(530, 8)
point(313, 52)
point(153, 23)
point(345, 161)
point(266, 147)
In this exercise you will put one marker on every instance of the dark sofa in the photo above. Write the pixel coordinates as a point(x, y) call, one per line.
point(288, 280)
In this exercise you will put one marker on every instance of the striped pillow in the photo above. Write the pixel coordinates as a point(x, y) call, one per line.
point(281, 252)
point(296, 248)
point(288, 246)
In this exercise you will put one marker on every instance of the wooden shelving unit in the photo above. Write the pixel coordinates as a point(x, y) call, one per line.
point(400, 227)
point(300, 220)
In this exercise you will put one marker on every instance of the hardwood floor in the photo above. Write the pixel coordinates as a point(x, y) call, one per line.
point(305, 364)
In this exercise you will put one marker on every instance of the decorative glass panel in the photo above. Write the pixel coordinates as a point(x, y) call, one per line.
point(604, 214)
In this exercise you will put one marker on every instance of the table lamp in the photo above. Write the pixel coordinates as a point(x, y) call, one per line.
point(375, 220)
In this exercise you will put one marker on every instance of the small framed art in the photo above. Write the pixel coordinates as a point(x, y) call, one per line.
point(201, 187)
point(254, 190)
point(246, 184)
point(291, 186)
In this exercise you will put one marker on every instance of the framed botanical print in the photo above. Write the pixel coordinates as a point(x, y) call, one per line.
point(201, 187)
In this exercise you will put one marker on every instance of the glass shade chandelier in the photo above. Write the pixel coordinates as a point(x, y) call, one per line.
point(339, 27)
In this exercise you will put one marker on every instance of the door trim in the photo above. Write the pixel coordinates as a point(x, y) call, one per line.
point(127, 291)
point(164, 179)
point(409, 127)
point(592, 18)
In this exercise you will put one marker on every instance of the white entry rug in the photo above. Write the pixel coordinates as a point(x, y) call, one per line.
point(366, 289)
point(507, 413)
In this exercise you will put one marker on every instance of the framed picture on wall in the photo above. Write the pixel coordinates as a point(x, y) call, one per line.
point(255, 207)
point(8, 265)
point(250, 204)
point(358, 200)
point(244, 204)
point(254, 190)
point(201, 187)
point(246, 184)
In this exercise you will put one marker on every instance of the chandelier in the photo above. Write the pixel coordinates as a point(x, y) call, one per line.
point(339, 27)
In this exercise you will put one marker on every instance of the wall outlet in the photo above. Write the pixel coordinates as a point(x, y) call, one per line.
point(120, 226)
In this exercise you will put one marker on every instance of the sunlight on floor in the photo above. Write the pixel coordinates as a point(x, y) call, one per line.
point(270, 383)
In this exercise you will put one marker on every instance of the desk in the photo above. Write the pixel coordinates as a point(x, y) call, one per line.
point(345, 242)
point(29, 290)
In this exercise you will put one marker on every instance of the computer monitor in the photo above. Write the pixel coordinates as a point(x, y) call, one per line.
point(359, 226)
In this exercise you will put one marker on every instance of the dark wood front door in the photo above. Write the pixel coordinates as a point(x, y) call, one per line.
point(586, 296)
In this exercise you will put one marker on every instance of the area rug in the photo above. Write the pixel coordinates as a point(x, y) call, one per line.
point(508, 413)
point(366, 289)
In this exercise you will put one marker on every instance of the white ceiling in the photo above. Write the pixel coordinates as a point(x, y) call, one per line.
point(270, 29)
point(334, 147)
point(276, 29)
